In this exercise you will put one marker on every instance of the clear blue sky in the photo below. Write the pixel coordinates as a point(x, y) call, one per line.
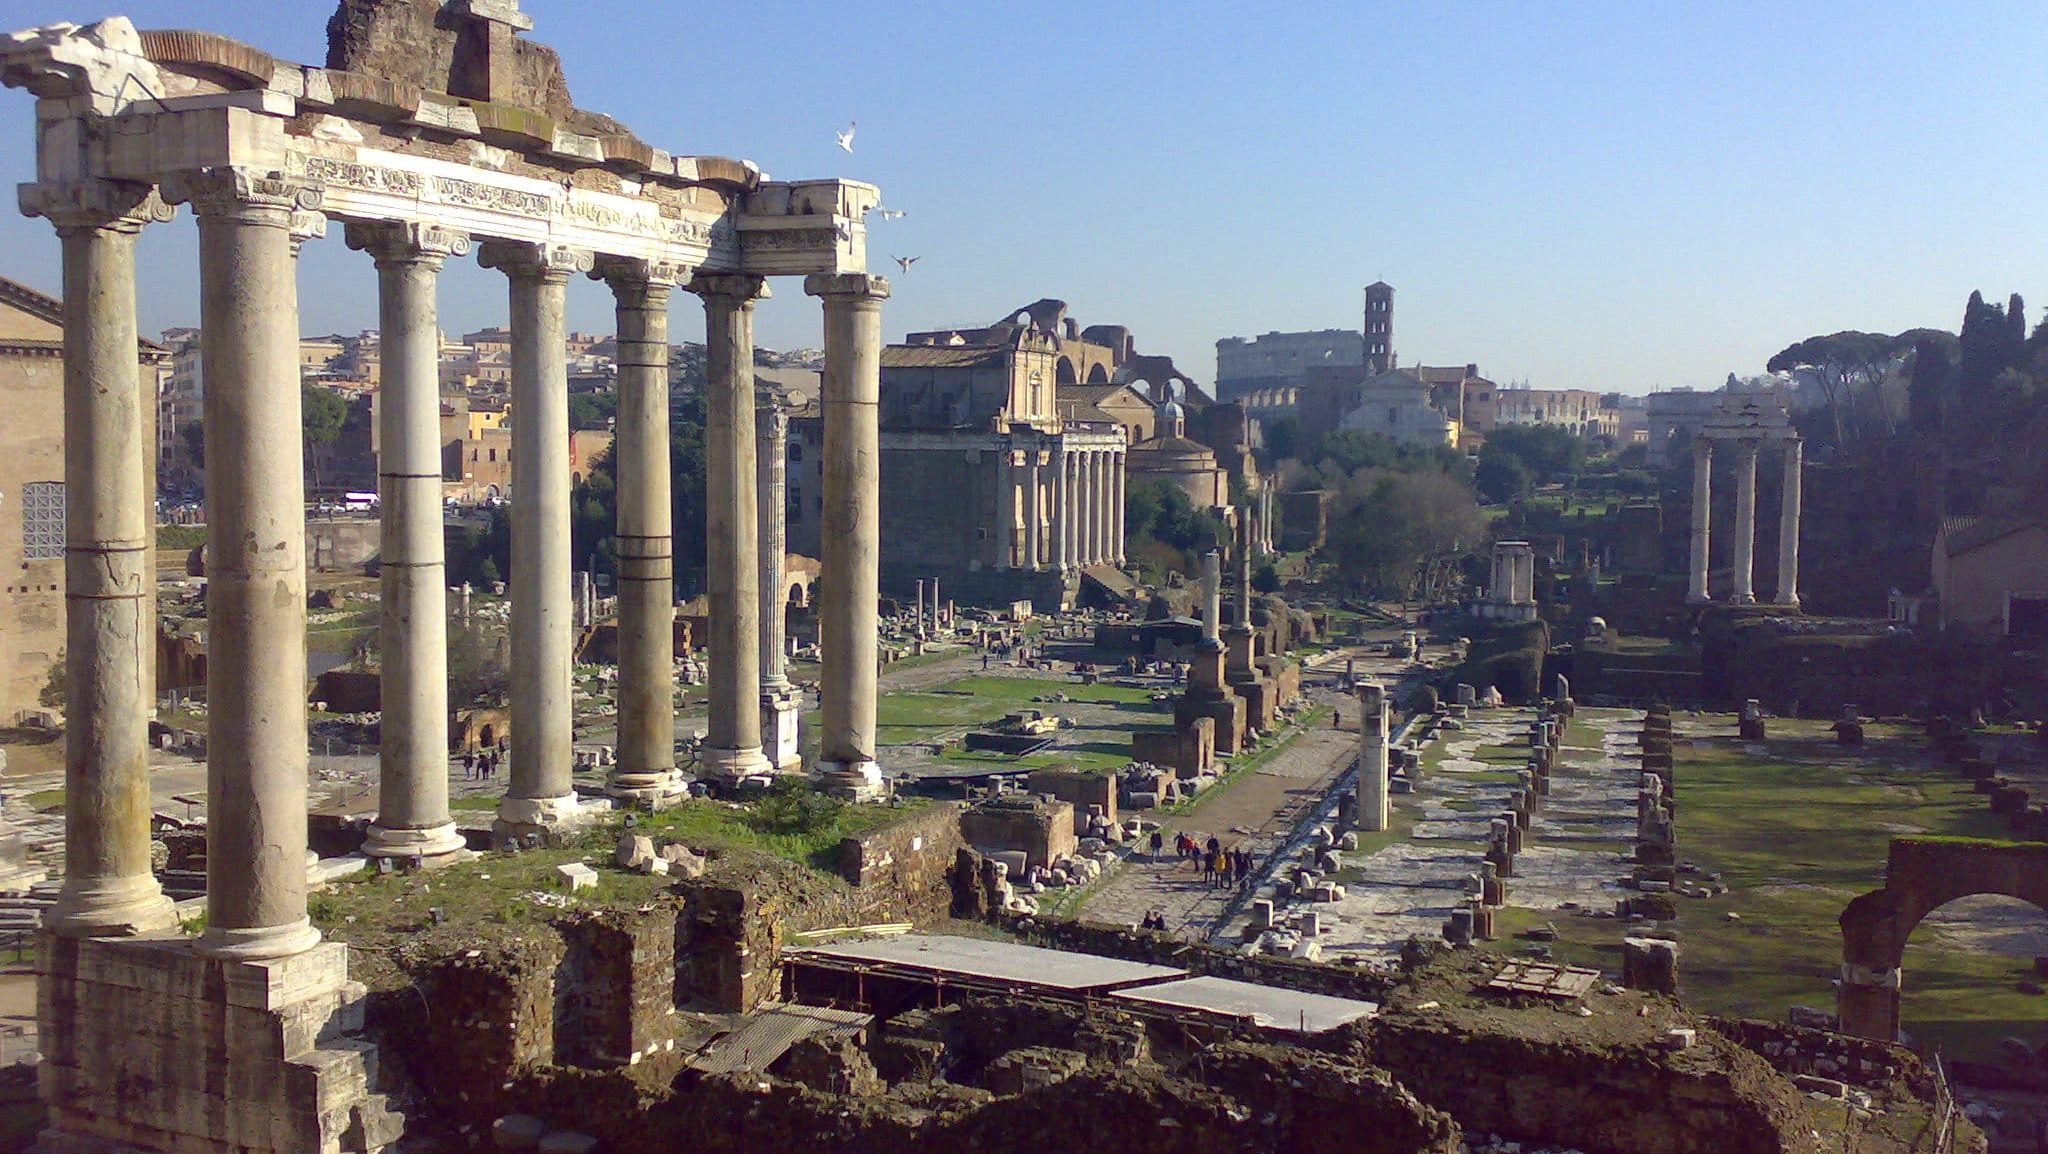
point(1602, 195)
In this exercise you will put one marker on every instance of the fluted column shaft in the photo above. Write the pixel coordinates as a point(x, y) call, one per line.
point(852, 527)
point(110, 622)
point(1702, 518)
point(412, 748)
point(1062, 555)
point(1745, 522)
point(1117, 480)
point(1006, 509)
point(646, 764)
point(256, 762)
point(542, 788)
point(1091, 504)
point(772, 446)
point(1788, 524)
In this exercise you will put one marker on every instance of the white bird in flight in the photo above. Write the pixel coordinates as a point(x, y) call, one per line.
point(889, 213)
point(906, 261)
point(846, 138)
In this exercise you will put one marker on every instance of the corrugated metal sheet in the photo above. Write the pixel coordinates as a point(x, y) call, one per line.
point(768, 1034)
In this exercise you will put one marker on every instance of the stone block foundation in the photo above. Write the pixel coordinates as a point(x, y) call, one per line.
point(149, 1044)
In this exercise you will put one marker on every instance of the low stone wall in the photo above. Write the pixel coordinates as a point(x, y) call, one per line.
point(1823, 1054)
point(1079, 789)
point(909, 858)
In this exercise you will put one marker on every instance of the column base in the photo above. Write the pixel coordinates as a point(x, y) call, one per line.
point(122, 907)
point(150, 1044)
point(260, 943)
point(780, 710)
point(1742, 599)
point(729, 765)
point(547, 816)
point(434, 841)
point(1699, 599)
point(852, 780)
point(649, 788)
point(1784, 602)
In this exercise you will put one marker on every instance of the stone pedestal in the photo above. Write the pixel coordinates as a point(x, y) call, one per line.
point(1208, 695)
point(150, 1044)
point(779, 711)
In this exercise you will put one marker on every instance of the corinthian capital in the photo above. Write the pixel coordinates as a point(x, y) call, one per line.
point(530, 259)
point(737, 288)
point(230, 191)
point(113, 205)
point(406, 242)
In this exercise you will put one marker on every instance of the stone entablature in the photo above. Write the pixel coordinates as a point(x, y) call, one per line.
point(1748, 422)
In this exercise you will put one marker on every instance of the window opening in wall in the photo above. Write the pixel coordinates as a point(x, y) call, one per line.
point(42, 520)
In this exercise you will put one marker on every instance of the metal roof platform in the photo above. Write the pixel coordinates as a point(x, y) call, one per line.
point(768, 1033)
point(1268, 1007)
point(984, 964)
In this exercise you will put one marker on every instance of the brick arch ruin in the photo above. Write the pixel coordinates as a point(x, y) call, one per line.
point(1921, 876)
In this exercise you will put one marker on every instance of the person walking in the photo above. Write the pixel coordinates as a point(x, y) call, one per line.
point(1158, 841)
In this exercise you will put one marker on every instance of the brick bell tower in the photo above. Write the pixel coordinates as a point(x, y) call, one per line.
point(1379, 328)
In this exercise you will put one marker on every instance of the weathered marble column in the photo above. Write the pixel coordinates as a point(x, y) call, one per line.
point(733, 525)
point(110, 624)
point(1212, 600)
point(1006, 509)
point(1745, 522)
point(1117, 480)
point(645, 768)
point(780, 701)
point(412, 749)
point(1062, 559)
point(542, 792)
point(852, 529)
point(256, 762)
point(1702, 518)
point(1788, 524)
point(1091, 474)
point(1374, 808)
point(1034, 521)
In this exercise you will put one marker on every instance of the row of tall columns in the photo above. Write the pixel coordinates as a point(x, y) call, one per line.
point(1743, 561)
point(1084, 490)
point(851, 539)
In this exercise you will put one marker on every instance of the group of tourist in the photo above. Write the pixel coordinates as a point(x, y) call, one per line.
point(1221, 868)
point(481, 766)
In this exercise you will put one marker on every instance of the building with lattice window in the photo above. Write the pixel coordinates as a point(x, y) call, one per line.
point(31, 497)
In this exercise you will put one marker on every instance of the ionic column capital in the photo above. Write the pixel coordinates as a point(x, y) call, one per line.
point(400, 243)
point(637, 282)
point(858, 286)
point(254, 196)
point(548, 263)
point(737, 290)
point(95, 205)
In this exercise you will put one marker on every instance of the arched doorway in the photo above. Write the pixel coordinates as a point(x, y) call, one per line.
point(1922, 876)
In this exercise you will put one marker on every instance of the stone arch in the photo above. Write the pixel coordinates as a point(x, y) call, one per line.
point(1098, 375)
point(1063, 373)
point(797, 594)
point(1921, 876)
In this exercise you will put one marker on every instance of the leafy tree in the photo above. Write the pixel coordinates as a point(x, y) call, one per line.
point(592, 410)
point(1839, 363)
point(1986, 347)
point(323, 412)
point(1548, 452)
point(1283, 440)
point(1502, 476)
point(194, 436)
point(594, 507)
point(1266, 578)
point(1933, 379)
point(1387, 526)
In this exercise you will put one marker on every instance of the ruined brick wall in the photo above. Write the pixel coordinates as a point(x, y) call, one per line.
point(622, 1000)
point(1605, 1096)
point(904, 864)
point(1825, 1054)
point(1079, 789)
point(1044, 831)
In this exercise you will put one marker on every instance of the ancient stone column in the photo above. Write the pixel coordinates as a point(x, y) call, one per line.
point(542, 792)
point(1212, 600)
point(1702, 509)
point(412, 748)
point(1092, 550)
point(1745, 522)
point(1034, 522)
point(256, 762)
point(1788, 524)
point(645, 768)
point(1118, 479)
point(1006, 509)
point(852, 529)
point(1062, 493)
point(733, 516)
point(109, 623)
point(780, 702)
point(1374, 811)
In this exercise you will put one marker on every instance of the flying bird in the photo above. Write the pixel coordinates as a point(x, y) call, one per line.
point(889, 213)
point(846, 138)
point(906, 261)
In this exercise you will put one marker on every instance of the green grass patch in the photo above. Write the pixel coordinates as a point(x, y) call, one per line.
point(472, 804)
point(1073, 757)
point(180, 536)
point(794, 821)
point(1022, 689)
point(1798, 832)
point(46, 800)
